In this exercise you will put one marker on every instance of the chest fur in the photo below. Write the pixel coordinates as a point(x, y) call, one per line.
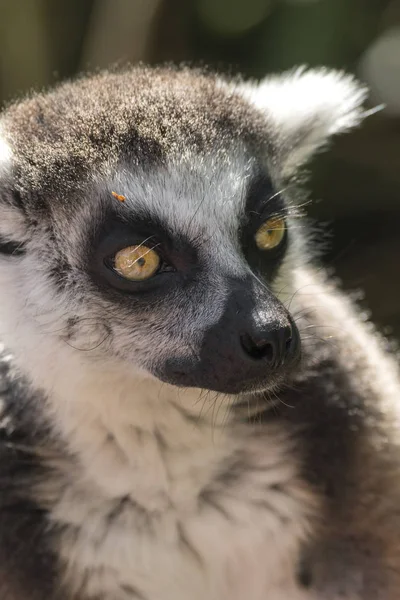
point(214, 514)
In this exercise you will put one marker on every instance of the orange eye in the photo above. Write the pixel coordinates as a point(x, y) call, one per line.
point(270, 234)
point(136, 263)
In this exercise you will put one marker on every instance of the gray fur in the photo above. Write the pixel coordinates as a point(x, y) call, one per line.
point(115, 485)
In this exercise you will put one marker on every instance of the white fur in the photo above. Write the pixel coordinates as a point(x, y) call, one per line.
point(231, 556)
point(12, 224)
point(126, 434)
point(305, 108)
point(108, 417)
point(5, 153)
point(112, 414)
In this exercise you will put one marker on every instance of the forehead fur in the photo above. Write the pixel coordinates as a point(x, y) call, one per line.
point(141, 116)
point(60, 141)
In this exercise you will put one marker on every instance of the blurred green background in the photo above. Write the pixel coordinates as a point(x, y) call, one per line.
point(356, 186)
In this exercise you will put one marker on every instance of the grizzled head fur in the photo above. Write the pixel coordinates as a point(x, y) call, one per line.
point(203, 163)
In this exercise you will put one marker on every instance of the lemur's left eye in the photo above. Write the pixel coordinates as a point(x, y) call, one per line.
point(270, 234)
point(137, 263)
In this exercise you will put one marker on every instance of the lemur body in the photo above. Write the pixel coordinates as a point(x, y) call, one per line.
point(162, 438)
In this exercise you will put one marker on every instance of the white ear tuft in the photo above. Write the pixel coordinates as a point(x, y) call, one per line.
point(304, 108)
point(5, 154)
point(12, 221)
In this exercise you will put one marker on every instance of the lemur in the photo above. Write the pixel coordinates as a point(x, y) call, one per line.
point(190, 407)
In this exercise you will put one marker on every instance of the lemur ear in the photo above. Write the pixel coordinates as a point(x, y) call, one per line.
point(13, 226)
point(304, 109)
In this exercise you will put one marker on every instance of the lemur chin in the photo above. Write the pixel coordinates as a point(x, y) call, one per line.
point(190, 409)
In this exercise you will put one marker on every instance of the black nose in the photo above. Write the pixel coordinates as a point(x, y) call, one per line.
point(273, 345)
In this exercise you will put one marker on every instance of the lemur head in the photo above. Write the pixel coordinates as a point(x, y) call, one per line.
point(145, 222)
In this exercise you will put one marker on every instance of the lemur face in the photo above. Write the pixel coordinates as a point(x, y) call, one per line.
point(146, 221)
point(183, 269)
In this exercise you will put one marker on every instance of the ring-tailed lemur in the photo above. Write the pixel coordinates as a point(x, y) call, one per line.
point(190, 409)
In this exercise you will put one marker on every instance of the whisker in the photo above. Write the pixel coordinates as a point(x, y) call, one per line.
point(195, 213)
point(89, 349)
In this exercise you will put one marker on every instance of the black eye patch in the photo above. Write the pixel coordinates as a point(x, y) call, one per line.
point(9, 248)
point(262, 200)
point(178, 257)
point(262, 203)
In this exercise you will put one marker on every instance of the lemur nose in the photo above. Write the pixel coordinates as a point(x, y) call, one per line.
point(273, 345)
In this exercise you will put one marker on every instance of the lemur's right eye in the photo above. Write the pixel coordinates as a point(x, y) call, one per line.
point(270, 234)
point(137, 263)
